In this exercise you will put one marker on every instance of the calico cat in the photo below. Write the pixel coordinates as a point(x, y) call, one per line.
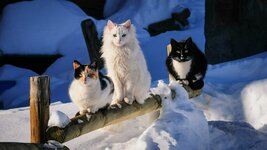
point(125, 63)
point(90, 90)
point(187, 64)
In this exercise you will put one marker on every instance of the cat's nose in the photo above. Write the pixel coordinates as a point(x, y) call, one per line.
point(84, 80)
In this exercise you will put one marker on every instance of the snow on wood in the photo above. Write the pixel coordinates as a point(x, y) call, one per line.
point(59, 119)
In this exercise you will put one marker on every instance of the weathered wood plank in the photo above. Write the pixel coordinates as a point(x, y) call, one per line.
point(28, 146)
point(83, 124)
point(39, 107)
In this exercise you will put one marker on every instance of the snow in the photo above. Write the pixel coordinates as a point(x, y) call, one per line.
point(235, 135)
point(49, 28)
point(180, 123)
point(254, 104)
point(139, 11)
point(59, 119)
point(230, 113)
point(53, 144)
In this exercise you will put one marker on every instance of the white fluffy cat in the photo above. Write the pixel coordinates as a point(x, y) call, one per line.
point(125, 63)
point(90, 90)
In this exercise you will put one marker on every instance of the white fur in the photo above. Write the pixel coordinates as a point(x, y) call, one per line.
point(89, 96)
point(182, 68)
point(125, 64)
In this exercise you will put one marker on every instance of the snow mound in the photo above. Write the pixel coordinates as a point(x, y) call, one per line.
point(58, 119)
point(40, 27)
point(17, 95)
point(143, 13)
point(180, 123)
point(235, 135)
point(255, 105)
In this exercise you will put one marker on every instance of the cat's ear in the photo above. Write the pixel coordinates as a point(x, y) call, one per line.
point(110, 25)
point(188, 43)
point(173, 42)
point(76, 64)
point(93, 65)
point(189, 40)
point(127, 24)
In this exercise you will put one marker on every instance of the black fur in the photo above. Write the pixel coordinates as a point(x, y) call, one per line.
point(92, 42)
point(78, 70)
point(188, 51)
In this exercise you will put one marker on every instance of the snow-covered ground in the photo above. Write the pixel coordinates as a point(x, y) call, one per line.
point(230, 114)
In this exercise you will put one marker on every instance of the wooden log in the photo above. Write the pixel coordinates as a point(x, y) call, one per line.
point(83, 124)
point(28, 146)
point(191, 93)
point(39, 107)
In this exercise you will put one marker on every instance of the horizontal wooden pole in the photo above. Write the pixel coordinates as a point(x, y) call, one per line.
point(82, 124)
point(28, 146)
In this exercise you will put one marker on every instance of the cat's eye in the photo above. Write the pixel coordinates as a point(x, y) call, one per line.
point(123, 35)
point(114, 35)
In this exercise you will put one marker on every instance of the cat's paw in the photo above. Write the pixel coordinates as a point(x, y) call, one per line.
point(83, 112)
point(114, 106)
point(185, 82)
point(198, 76)
point(180, 82)
point(92, 110)
point(128, 100)
point(141, 101)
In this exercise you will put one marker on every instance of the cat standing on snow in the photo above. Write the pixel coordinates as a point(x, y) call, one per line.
point(90, 90)
point(187, 64)
point(125, 63)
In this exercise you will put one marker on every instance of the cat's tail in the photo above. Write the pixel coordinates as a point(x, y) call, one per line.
point(92, 42)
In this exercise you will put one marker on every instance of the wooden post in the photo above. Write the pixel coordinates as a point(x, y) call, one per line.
point(39, 107)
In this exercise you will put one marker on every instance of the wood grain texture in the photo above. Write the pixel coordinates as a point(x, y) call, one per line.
point(39, 107)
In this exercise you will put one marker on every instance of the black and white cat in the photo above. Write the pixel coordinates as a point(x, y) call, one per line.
point(90, 90)
point(187, 64)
